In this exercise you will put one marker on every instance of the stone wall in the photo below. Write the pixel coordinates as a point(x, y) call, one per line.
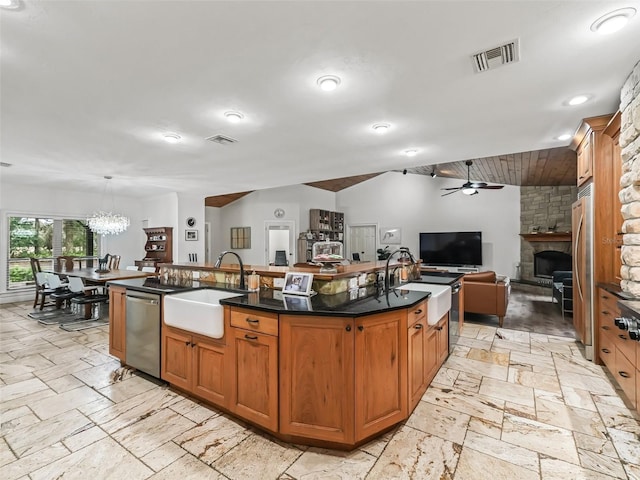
point(544, 207)
point(630, 181)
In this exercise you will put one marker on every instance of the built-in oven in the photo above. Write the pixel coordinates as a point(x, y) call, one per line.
point(454, 315)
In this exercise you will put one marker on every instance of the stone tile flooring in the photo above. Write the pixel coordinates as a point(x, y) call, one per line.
point(507, 404)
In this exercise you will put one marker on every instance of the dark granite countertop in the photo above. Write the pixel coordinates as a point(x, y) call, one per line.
point(362, 301)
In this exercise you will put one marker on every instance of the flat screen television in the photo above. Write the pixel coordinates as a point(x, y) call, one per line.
point(454, 249)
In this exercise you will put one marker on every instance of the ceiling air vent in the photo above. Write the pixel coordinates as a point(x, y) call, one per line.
point(496, 57)
point(222, 139)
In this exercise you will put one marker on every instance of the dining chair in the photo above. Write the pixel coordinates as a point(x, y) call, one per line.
point(148, 269)
point(64, 262)
point(281, 258)
point(114, 262)
point(42, 289)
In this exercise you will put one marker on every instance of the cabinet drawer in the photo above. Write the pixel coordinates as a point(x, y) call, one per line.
point(625, 375)
point(607, 348)
point(255, 321)
point(608, 303)
point(625, 345)
point(417, 313)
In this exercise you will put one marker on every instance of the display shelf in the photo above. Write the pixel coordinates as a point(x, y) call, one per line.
point(158, 247)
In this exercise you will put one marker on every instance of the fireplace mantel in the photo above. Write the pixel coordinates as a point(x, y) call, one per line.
point(547, 237)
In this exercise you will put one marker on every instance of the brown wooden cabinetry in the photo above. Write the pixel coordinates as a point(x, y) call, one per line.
point(615, 235)
point(317, 377)
point(616, 350)
point(158, 246)
point(194, 363)
point(585, 159)
point(326, 225)
point(417, 356)
point(253, 350)
point(117, 321)
point(380, 372)
point(580, 285)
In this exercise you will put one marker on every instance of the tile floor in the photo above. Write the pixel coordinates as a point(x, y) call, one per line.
point(507, 404)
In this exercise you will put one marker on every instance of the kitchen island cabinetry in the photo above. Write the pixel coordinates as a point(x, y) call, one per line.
point(117, 321)
point(253, 348)
point(195, 364)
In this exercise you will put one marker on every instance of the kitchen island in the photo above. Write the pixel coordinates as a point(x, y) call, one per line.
point(327, 370)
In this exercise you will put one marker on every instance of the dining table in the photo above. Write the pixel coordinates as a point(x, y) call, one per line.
point(90, 275)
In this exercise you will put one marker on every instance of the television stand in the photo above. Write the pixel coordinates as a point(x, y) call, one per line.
point(467, 269)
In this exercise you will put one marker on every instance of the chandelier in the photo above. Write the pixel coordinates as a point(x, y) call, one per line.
point(108, 223)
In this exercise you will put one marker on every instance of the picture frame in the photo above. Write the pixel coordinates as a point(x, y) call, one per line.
point(297, 283)
point(240, 237)
point(191, 235)
point(391, 235)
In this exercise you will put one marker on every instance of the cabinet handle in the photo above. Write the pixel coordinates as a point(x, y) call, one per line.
point(438, 328)
point(605, 312)
point(251, 320)
point(624, 374)
point(418, 326)
point(348, 328)
point(250, 337)
point(622, 337)
point(193, 344)
point(360, 327)
point(604, 327)
point(606, 297)
point(187, 343)
point(606, 350)
point(418, 312)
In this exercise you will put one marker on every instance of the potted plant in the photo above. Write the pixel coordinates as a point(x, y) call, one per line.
point(383, 253)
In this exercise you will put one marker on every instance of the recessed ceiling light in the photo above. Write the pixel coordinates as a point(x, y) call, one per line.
point(411, 153)
point(328, 82)
point(9, 3)
point(171, 137)
point(233, 116)
point(613, 21)
point(381, 128)
point(578, 100)
point(564, 136)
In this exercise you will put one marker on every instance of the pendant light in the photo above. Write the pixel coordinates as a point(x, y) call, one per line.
point(108, 223)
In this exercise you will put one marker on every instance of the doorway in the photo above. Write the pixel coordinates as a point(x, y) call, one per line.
point(279, 236)
point(363, 240)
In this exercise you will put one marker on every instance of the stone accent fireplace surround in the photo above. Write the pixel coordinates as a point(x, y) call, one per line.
point(543, 207)
point(630, 181)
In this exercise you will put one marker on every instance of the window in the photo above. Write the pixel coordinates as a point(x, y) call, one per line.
point(45, 238)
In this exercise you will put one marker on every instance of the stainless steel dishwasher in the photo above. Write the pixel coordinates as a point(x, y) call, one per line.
point(143, 332)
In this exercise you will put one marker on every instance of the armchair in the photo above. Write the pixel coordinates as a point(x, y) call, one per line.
point(487, 293)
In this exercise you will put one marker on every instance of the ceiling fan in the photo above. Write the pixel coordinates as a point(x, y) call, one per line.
point(469, 187)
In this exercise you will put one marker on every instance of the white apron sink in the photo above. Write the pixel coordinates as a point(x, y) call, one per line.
point(438, 303)
point(197, 311)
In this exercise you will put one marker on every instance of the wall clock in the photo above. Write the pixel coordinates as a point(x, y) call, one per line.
point(191, 222)
point(278, 213)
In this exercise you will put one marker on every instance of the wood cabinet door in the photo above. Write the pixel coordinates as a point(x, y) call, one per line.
point(117, 321)
point(209, 370)
point(416, 358)
point(585, 160)
point(254, 382)
point(177, 364)
point(617, 213)
point(431, 353)
point(578, 227)
point(442, 330)
point(380, 372)
point(317, 377)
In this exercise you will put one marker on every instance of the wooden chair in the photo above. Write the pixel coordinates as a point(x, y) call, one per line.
point(64, 262)
point(42, 289)
point(114, 262)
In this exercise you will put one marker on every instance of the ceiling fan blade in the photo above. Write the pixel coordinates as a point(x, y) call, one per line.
point(452, 188)
point(449, 193)
point(493, 187)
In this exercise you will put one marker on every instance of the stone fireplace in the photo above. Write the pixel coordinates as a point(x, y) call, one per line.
point(543, 209)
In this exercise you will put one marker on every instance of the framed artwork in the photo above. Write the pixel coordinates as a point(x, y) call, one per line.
point(191, 235)
point(240, 237)
point(391, 235)
point(297, 283)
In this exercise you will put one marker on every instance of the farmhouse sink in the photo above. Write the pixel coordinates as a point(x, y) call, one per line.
point(439, 302)
point(197, 311)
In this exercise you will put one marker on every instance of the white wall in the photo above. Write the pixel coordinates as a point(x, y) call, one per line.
point(213, 215)
point(189, 206)
point(254, 209)
point(414, 203)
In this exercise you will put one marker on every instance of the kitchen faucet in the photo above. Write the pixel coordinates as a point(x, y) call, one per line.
point(219, 262)
point(404, 251)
